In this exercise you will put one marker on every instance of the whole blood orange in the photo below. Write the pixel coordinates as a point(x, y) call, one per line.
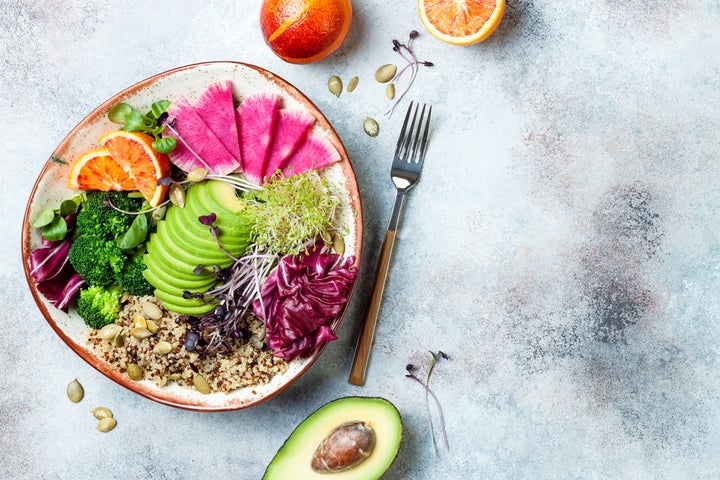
point(304, 31)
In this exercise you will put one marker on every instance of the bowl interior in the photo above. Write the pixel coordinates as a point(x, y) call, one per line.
point(51, 188)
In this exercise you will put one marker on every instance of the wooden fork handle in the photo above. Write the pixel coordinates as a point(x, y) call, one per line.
point(362, 350)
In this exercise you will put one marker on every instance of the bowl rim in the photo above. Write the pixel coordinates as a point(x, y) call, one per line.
point(151, 391)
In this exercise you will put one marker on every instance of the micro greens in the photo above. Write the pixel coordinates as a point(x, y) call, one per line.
point(241, 285)
point(406, 52)
point(429, 393)
point(53, 221)
point(290, 212)
point(151, 123)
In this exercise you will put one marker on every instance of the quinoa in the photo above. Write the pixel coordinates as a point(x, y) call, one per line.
point(248, 364)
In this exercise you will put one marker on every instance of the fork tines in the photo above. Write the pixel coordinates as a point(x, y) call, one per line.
point(413, 136)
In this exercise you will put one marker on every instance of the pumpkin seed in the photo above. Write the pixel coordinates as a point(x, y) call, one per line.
point(75, 391)
point(390, 91)
point(201, 384)
point(109, 331)
point(335, 85)
point(352, 84)
point(134, 371)
point(326, 237)
point(119, 340)
point(162, 348)
point(106, 424)
point(371, 127)
point(102, 412)
point(140, 333)
point(338, 243)
point(139, 321)
point(177, 195)
point(124, 297)
point(385, 73)
point(197, 174)
point(151, 311)
point(152, 327)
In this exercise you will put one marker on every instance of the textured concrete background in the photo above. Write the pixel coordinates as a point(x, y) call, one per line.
point(562, 246)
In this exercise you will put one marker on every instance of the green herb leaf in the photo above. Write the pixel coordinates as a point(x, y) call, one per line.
point(44, 218)
point(136, 234)
point(55, 230)
point(164, 145)
point(134, 122)
point(119, 113)
point(67, 207)
point(158, 108)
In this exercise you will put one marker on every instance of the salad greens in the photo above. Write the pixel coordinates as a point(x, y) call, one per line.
point(152, 122)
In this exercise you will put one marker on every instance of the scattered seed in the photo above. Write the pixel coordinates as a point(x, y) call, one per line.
point(109, 331)
point(197, 174)
point(119, 340)
point(134, 371)
point(162, 348)
point(352, 84)
point(106, 424)
point(151, 311)
point(385, 73)
point(335, 85)
point(390, 91)
point(371, 127)
point(177, 195)
point(140, 333)
point(124, 297)
point(326, 237)
point(75, 391)
point(139, 321)
point(338, 243)
point(102, 412)
point(152, 327)
point(201, 384)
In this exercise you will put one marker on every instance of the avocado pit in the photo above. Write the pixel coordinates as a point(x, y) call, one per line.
point(345, 447)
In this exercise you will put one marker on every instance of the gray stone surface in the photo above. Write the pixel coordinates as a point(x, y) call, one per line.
point(562, 246)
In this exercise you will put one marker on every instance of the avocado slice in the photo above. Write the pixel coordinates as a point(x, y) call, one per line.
point(294, 458)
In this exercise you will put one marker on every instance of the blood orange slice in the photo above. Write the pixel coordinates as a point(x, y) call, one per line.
point(98, 170)
point(133, 151)
point(461, 22)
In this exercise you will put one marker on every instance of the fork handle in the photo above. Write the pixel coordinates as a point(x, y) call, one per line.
point(362, 350)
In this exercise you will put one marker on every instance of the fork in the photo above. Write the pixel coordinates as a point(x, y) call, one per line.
point(405, 172)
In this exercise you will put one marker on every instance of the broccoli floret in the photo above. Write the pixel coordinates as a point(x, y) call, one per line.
point(97, 217)
point(131, 278)
point(99, 306)
point(96, 259)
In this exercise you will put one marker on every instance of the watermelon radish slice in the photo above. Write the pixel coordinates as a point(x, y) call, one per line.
point(315, 152)
point(256, 117)
point(215, 107)
point(197, 145)
point(291, 128)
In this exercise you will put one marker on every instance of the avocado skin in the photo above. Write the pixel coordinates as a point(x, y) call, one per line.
point(293, 458)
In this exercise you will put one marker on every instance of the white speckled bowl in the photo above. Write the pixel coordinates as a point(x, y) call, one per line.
point(51, 188)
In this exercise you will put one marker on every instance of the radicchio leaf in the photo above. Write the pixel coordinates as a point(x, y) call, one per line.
point(300, 299)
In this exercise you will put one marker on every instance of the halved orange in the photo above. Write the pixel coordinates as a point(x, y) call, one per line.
point(133, 151)
point(98, 170)
point(461, 22)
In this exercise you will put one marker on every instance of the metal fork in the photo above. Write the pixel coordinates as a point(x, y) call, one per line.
point(405, 172)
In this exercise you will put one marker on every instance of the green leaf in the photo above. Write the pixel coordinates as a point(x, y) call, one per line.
point(158, 108)
point(119, 113)
point(134, 122)
point(164, 145)
point(44, 218)
point(67, 207)
point(55, 230)
point(136, 234)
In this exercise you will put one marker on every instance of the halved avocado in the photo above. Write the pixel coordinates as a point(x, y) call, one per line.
point(293, 459)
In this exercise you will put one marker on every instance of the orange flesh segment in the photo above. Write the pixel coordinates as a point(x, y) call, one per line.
point(98, 170)
point(459, 18)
